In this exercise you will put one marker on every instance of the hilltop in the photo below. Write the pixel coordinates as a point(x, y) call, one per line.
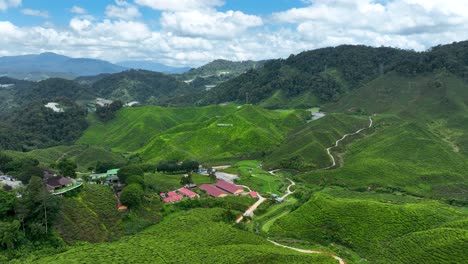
point(206, 133)
point(47, 65)
point(324, 75)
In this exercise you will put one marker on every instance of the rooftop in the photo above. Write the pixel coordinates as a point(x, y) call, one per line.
point(172, 199)
point(213, 190)
point(229, 187)
point(187, 192)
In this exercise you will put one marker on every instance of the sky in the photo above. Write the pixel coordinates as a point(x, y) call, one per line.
point(194, 32)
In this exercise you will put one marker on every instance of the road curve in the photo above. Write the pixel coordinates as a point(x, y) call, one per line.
point(371, 122)
point(307, 251)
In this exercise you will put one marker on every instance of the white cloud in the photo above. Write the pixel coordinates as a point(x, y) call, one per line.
point(32, 12)
point(122, 10)
point(199, 35)
point(78, 10)
point(209, 23)
point(415, 24)
point(180, 5)
point(5, 4)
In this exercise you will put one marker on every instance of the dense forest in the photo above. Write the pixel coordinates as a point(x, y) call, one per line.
point(331, 72)
point(35, 126)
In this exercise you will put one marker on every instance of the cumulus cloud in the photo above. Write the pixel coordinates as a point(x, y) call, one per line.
point(5, 4)
point(122, 10)
point(209, 23)
point(180, 5)
point(415, 24)
point(78, 10)
point(196, 35)
point(33, 12)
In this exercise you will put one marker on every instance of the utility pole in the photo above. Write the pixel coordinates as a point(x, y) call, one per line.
point(246, 98)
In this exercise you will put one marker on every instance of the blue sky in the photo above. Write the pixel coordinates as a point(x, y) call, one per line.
point(193, 32)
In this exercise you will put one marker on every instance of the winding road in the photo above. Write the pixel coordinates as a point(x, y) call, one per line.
point(251, 209)
point(308, 251)
point(371, 122)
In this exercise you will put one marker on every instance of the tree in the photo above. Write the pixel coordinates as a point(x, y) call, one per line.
point(132, 195)
point(7, 202)
point(186, 179)
point(28, 172)
point(67, 168)
point(189, 165)
point(36, 209)
point(4, 160)
point(135, 179)
point(127, 171)
point(9, 234)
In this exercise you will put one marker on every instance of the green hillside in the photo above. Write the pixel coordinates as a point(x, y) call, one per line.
point(380, 231)
point(400, 156)
point(429, 96)
point(211, 132)
point(196, 236)
point(305, 147)
point(91, 216)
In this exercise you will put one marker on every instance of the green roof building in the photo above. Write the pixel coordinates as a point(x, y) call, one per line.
point(112, 172)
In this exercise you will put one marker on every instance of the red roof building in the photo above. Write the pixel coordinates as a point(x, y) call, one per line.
point(187, 193)
point(253, 194)
point(213, 190)
point(229, 187)
point(173, 199)
point(170, 194)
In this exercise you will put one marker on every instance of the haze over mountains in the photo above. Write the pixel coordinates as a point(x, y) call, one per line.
point(48, 65)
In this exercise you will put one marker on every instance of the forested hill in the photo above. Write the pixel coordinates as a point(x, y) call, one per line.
point(217, 67)
point(325, 74)
point(141, 85)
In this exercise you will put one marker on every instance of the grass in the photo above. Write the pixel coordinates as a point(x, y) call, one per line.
point(304, 148)
point(400, 156)
point(378, 231)
point(252, 175)
point(168, 133)
point(89, 216)
point(195, 236)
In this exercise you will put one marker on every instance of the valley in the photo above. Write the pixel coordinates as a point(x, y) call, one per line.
point(195, 175)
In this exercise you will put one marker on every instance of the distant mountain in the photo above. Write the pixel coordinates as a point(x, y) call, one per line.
point(152, 66)
point(47, 65)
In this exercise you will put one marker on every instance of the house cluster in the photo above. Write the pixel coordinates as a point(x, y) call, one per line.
point(103, 102)
point(109, 177)
point(222, 189)
point(8, 180)
point(55, 182)
point(177, 195)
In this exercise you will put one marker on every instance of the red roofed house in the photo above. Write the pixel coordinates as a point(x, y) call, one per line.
point(229, 187)
point(213, 190)
point(253, 194)
point(173, 199)
point(187, 193)
point(170, 194)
